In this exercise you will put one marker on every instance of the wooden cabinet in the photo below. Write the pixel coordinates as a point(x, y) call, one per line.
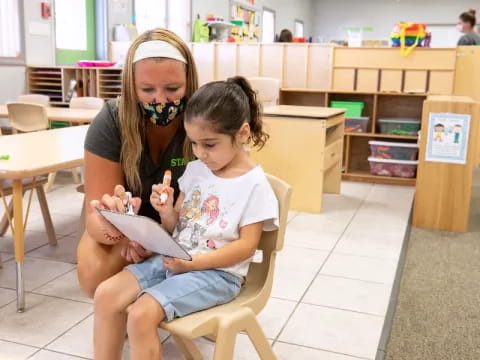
point(304, 149)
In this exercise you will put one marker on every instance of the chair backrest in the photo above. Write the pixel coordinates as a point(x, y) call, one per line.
point(34, 99)
point(86, 102)
point(26, 117)
point(268, 90)
point(259, 280)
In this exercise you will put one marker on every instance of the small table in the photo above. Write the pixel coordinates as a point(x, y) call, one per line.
point(71, 116)
point(34, 154)
point(305, 149)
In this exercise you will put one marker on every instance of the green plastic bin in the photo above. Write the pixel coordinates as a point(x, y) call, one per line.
point(354, 108)
point(58, 124)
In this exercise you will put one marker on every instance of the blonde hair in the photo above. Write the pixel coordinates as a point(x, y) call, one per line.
point(132, 122)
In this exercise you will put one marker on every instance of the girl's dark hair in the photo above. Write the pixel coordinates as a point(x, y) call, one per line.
point(285, 36)
point(227, 105)
point(469, 17)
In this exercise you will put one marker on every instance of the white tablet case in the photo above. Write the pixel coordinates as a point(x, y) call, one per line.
point(147, 233)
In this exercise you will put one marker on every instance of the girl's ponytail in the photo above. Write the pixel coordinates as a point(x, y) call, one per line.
point(258, 136)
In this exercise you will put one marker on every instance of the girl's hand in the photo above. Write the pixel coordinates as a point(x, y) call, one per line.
point(157, 191)
point(177, 266)
point(115, 202)
point(133, 252)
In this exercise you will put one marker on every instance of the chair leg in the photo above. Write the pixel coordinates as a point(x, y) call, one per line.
point(258, 339)
point(76, 176)
point(4, 222)
point(51, 180)
point(225, 343)
point(42, 199)
point(188, 347)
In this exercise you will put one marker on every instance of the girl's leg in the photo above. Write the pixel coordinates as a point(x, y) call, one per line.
point(143, 319)
point(112, 297)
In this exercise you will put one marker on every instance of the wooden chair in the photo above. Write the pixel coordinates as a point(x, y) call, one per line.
point(268, 90)
point(86, 102)
point(224, 322)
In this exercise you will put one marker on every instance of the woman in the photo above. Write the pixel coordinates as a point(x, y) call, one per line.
point(466, 24)
point(130, 144)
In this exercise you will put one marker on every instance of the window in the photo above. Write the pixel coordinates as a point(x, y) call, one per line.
point(150, 14)
point(268, 25)
point(10, 32)
point(171, 14)
point(179, 18)
point(298, 33)
point(71, 24)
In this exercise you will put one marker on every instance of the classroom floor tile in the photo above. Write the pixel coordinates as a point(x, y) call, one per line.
point(331, 286)
point(348, 294)
point(334, 330)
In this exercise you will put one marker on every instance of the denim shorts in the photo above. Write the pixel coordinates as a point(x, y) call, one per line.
point(182, 294)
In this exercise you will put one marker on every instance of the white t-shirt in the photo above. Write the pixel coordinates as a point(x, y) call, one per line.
point(214, 209)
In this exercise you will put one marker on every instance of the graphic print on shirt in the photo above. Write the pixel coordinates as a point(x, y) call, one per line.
point(195, 219)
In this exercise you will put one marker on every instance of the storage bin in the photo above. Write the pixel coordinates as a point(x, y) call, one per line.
point(356, 124)
point(393, 168)
point(58, 124)
point(399, 126)
point(393, 150)
point(354, 108)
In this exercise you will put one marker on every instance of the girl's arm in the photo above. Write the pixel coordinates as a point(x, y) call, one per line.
point(168, 213)
point(226, 256)
point(232, 253)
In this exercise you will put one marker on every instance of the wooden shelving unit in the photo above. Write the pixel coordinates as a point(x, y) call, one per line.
point(47, 81)
point(377, 105)
point(91, 81)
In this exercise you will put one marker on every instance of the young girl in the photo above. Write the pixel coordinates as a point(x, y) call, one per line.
point(225, 203)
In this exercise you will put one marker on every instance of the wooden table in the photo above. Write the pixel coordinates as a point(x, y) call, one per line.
point(31, 155)
point(305, 149)
point(71, 116)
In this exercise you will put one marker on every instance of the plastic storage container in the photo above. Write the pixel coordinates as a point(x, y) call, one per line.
point(399, 126)
point(393, 168)
point(356, 124)
point(393, 150)
point(354, 108)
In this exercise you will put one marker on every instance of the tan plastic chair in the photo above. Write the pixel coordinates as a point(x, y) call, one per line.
point(268, 90)
point(34, 98)
point(224, 322)
point(27, 117)
point(86, 102)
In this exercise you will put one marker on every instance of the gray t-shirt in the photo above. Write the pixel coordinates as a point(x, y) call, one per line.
point(104, 139)
point(469, 39)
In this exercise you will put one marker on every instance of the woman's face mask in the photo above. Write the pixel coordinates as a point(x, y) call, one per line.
point(162, 114)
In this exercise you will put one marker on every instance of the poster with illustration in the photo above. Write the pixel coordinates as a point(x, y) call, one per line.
point(447, 138)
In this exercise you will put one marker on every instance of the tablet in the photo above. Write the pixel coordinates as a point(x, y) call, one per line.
point(147, 233)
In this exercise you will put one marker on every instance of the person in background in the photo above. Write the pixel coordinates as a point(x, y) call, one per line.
point(466, 24)
point(129, 146)
point(285, 36)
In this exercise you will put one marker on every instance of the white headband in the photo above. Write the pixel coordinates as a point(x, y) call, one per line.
point(157, 48)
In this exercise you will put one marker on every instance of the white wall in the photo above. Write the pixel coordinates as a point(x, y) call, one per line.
point(286, 11)
point(39, 50)
point(330, 17)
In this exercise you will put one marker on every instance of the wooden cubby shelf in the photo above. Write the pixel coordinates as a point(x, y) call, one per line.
point(377, 105)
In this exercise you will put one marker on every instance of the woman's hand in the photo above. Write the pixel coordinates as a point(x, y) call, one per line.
point(115, 202)
point(133, 252)
point(155, 199)
point(177, 266)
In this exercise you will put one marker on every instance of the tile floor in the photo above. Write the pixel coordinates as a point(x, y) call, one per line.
point(332, 283)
